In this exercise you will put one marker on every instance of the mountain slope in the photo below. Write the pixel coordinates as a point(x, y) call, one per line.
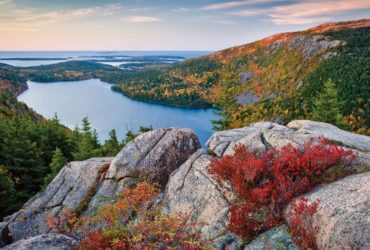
point(275, 78)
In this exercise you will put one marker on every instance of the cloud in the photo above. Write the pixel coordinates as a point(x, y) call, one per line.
point(228, 5)
point(181, 9)
point(18, 29)
point(305, 12)
point(141, 9)
point(226, 22)
point(31, 19)
point(5, 2)
point(314, 10)
point(246, 12)
point(142, 19)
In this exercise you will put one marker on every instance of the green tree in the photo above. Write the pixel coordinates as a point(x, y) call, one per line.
point(57, 162)
point(87, 142)
point(7, 193)
point(130, 135)
point(111, 146)
point(26, 150)
point(326, 106)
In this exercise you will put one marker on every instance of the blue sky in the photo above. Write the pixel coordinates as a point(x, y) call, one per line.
point(160, 24)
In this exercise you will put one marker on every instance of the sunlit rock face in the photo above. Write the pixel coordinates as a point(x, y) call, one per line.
point(191, 189)
point(84, 186)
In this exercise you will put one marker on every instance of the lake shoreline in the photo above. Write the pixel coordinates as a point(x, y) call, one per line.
point(107, 109)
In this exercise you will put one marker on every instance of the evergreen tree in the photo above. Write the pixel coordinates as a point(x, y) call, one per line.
point(111, 146)
point(57, 162)
point(55, 119)
point(326, 106)
point(143, 129)
point(23, 161)
point(7, 193)
point(129, 137)
point(87, 142)
point(26, 150)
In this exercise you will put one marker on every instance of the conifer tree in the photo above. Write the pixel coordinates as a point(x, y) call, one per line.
point(57, 162)
point(7, 193)
point(326, 106)
point(111, 146)
point(86, 141)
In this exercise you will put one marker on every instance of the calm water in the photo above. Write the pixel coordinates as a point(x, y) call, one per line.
point(84, 55)
point(107, 110)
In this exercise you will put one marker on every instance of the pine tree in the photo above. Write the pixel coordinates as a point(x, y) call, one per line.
point(129, 137)
point(111, 146)
point(326, 106)
point(86, 141)
point(57, 162)
point(7, 193)
point(55, 119)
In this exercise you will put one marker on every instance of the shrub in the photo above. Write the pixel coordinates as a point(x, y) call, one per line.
point(267, 182)
point(300, 226)
point(133, 222)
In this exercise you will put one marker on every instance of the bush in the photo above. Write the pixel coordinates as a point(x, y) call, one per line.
point(266, 183)
point(300, 226)
point(133, 222)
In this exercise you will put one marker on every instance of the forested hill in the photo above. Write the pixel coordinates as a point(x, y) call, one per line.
point(277, 78)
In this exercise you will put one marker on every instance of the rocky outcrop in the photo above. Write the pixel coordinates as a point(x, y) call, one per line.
point(264, 135)
point(71, 188)
point(313, 45)
point(248, 98)
point(172, 158)
point(348, 139)
point(343, 216)
point(245, 76)
point(44, 241)
point(359, 143)
point(83, 187)
point(154, 155)
point(191, 189)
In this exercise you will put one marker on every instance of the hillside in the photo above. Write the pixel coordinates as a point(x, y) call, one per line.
point(275, 78)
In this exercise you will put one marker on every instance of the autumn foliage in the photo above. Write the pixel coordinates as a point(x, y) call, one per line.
point(134, 222)
point(300, 225)
point(266, 183)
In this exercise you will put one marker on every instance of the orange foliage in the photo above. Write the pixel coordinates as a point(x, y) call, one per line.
point(133, 222)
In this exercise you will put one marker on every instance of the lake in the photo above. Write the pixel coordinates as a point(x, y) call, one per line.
point(108, 110)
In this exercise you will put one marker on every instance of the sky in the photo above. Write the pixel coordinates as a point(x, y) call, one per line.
point(206, 25)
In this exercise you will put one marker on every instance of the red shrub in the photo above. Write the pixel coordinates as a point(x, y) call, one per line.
point(266, 183)
point(96, 240)
point(300, 226)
